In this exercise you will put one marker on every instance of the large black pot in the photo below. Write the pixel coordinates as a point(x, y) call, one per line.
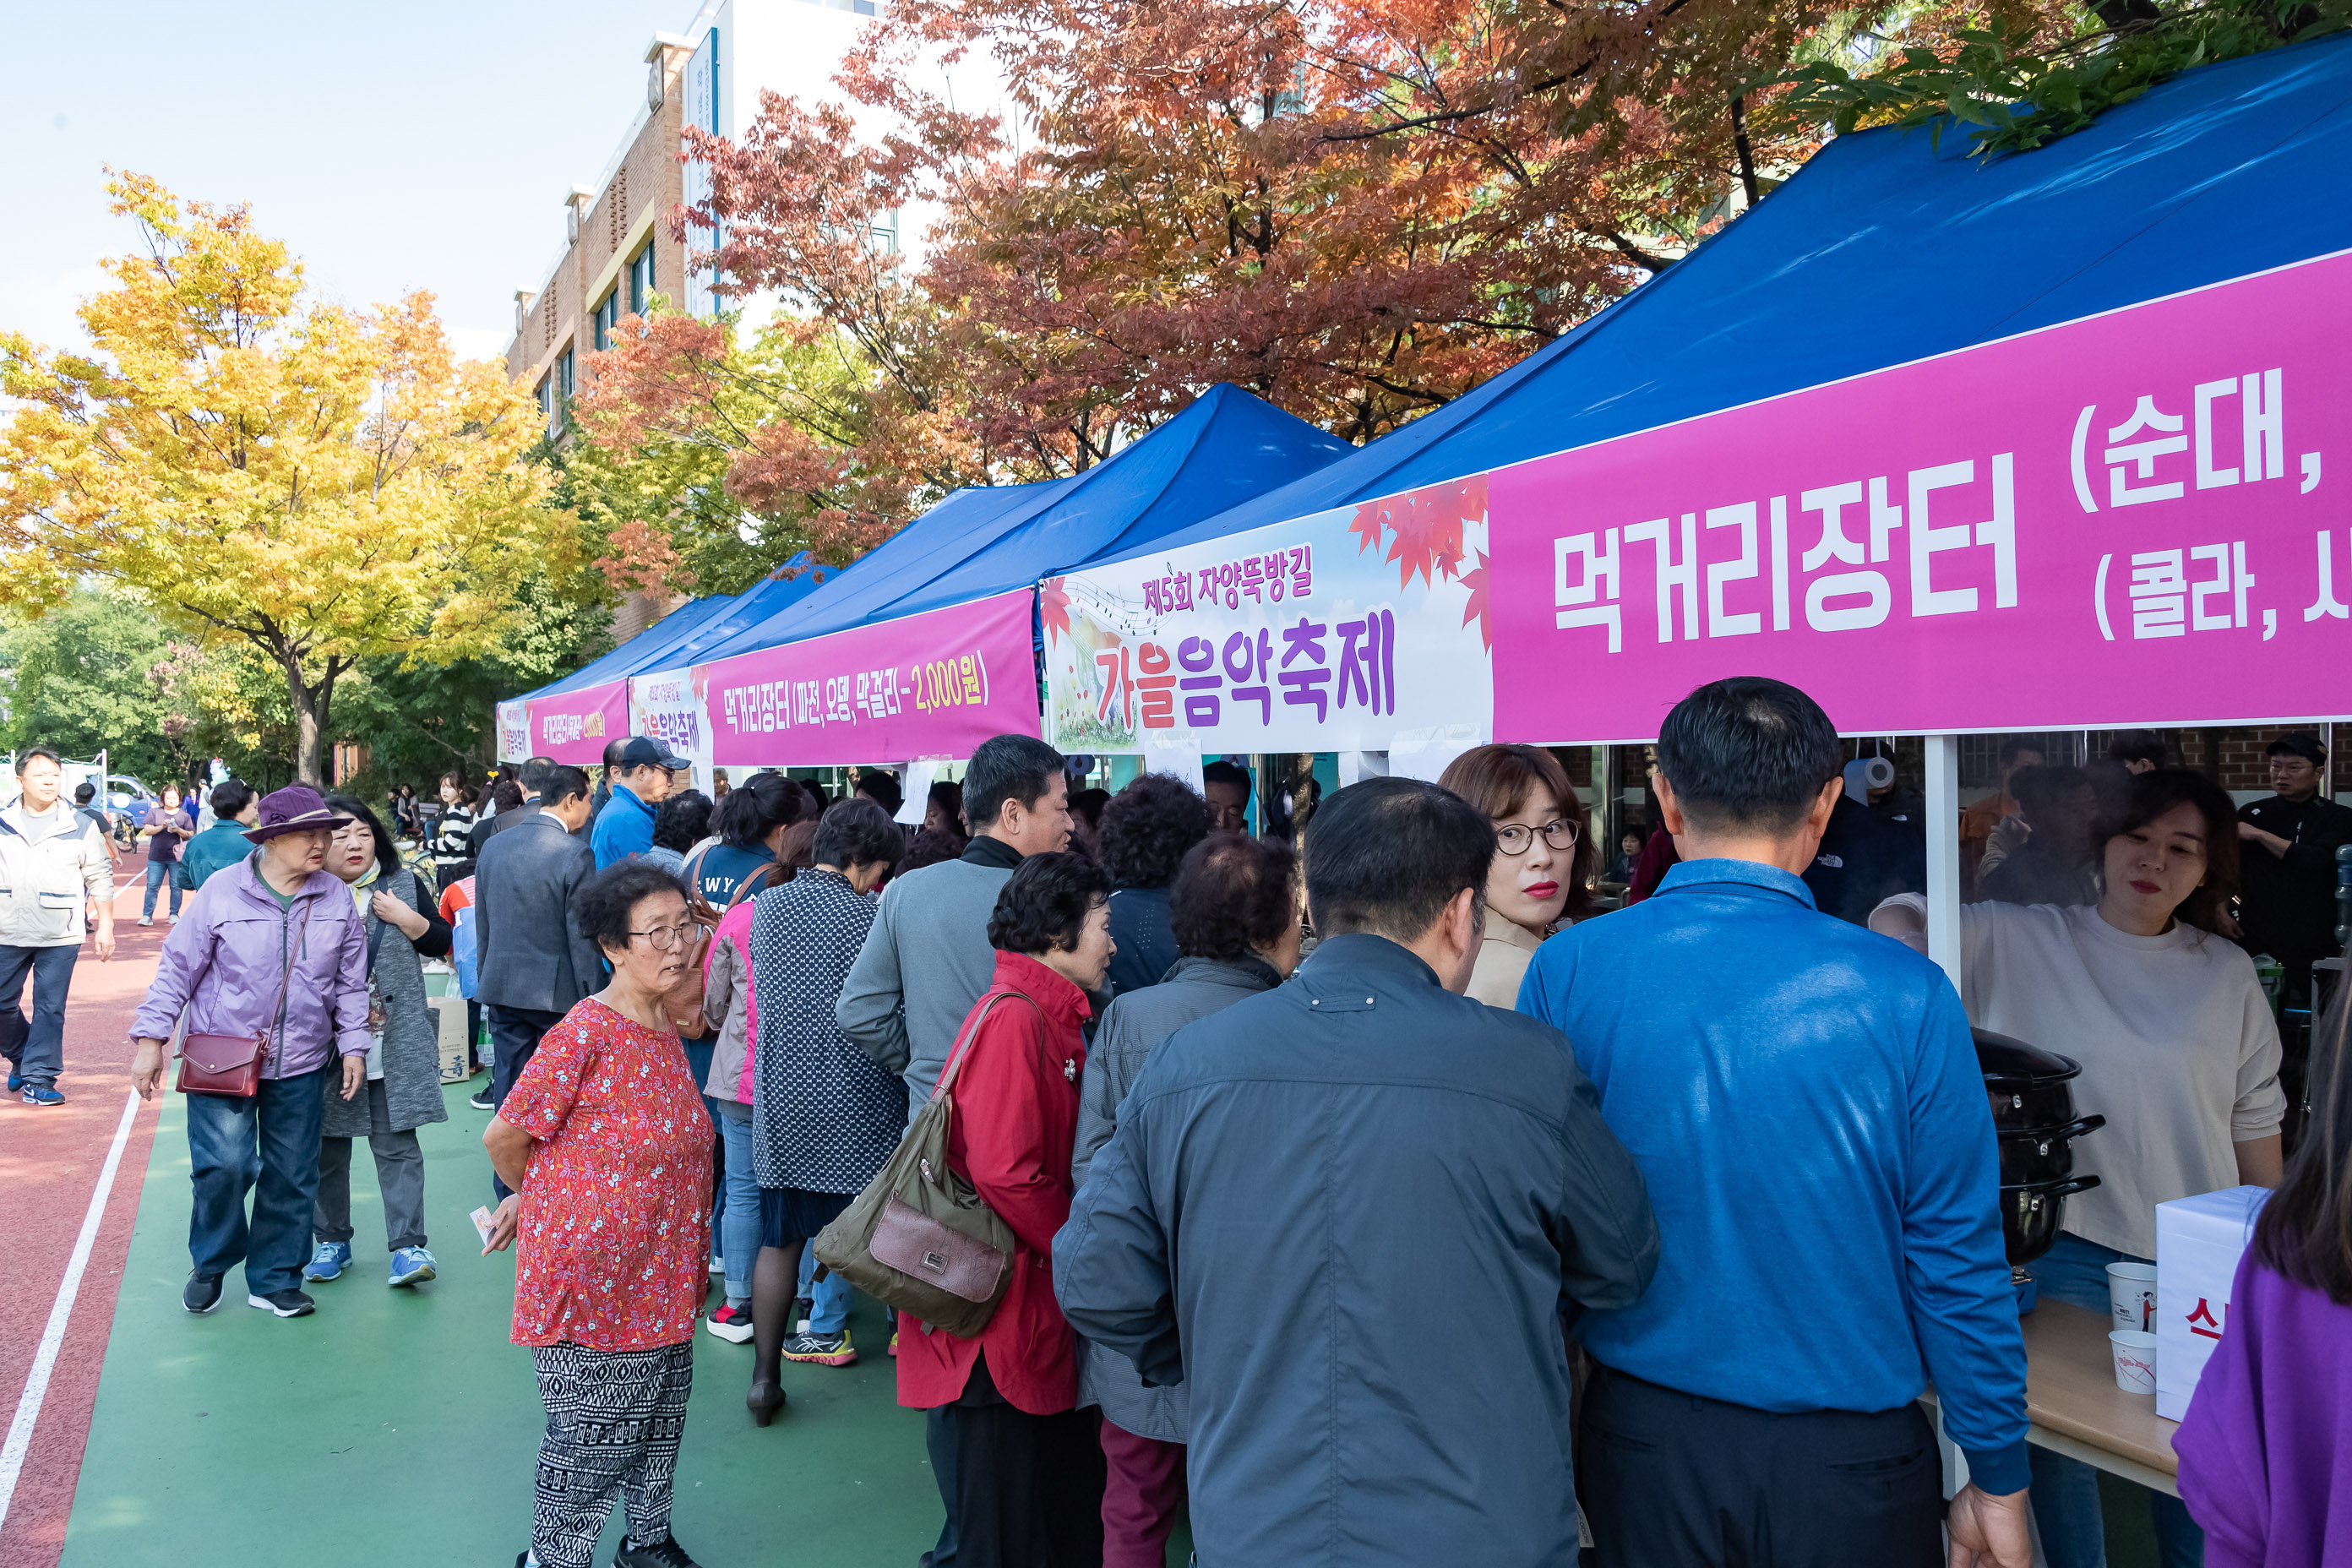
point(2042, 1153)
point(2029, 1215)
point(2026, 1087)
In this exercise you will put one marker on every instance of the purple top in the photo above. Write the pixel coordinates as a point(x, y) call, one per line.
point(2266, 1448)
point(223, 960)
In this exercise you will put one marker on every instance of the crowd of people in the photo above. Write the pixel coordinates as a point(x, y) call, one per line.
point(1364, 1194)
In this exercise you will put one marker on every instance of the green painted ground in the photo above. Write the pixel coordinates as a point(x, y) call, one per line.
point(399, 1427)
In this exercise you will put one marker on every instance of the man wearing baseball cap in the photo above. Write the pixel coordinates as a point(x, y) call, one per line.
point(640, 778)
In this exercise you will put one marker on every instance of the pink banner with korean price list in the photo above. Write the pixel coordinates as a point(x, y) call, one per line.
point(931, 685)
point(573, 726)
point(2120, 520)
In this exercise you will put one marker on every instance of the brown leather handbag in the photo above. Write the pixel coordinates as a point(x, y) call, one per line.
point(230, 1065)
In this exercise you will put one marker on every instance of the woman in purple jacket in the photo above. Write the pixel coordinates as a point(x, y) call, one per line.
point(2266, 1449)
point(274, 925)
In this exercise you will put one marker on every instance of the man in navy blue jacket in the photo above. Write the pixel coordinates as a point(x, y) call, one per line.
point(1293, 1175)
point(1804, 1102)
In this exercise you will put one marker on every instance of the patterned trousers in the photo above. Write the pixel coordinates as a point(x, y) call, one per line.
point(614, 1421)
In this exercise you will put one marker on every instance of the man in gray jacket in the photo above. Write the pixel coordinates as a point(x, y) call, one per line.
point(534, 963)
point(1289, 1175)
point(927, 960)
point(1233, 914)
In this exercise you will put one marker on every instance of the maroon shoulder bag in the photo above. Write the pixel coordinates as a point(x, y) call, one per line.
point(230, 1065)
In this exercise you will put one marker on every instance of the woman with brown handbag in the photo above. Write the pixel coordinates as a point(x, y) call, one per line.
point(269, 963)
point(1026, 1463)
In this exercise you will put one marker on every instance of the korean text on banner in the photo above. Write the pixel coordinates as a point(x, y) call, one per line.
point(667, 704)
point(514, 732)
point(933, 685)
point(1330, 633)
point(2118, 521)
point(573, 726)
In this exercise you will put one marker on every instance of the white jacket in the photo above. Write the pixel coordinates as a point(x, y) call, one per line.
point(47, 867)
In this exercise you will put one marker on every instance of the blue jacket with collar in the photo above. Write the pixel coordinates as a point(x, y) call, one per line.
point(1290, 1177)
point(1803, 1099)
point(625, 826)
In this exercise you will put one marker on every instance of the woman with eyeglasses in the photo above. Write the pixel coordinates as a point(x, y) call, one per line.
point(604, 1140)
point(1544, 858)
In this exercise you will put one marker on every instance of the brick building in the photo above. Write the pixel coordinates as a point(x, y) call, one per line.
point(617, 251)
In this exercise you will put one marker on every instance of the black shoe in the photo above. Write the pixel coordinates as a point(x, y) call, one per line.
point(287, 1303)
point(482, 1101)
point(763, 1400)
point(202, 1293)
point(663, 1553)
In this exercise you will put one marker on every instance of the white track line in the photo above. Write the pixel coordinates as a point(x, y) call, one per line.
point(45, 1359)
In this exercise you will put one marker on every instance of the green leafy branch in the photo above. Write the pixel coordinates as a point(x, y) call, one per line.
point(2018, 92)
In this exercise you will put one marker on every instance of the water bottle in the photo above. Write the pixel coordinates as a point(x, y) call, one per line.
point(2273, 974)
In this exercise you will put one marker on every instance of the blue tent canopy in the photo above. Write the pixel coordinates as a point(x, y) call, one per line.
point(1227, 446)
point(668, 642)
point(1883, 250)
point(617, 664)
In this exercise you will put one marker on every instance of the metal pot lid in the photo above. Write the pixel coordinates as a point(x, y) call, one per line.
point(2011, 1063)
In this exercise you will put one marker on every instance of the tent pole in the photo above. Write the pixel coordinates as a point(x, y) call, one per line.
point(1943, 853)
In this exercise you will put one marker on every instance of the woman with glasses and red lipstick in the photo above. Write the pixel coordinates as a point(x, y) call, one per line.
point(1544, 858)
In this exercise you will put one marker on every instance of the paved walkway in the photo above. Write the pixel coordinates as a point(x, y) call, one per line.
point(399, 1426)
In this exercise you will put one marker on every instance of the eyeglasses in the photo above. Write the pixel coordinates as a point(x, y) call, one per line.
point(1514, 838)
point(667, 937)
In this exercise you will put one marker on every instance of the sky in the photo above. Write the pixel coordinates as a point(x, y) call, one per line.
point(421, 145)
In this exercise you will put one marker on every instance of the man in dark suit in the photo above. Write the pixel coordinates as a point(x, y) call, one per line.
point(534, 963)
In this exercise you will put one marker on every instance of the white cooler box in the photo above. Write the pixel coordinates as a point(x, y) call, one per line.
point(2198, 1242)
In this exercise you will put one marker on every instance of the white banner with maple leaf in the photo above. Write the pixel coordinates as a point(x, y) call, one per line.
point(1356, 629)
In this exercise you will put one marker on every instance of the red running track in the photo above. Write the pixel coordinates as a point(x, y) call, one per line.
point(50, 1162)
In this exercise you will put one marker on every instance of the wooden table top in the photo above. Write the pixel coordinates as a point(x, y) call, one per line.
point(2069, 1388)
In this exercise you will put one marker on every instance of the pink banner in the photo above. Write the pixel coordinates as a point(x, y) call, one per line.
point(575, 726)
point(2120, 520)
point(933, 685)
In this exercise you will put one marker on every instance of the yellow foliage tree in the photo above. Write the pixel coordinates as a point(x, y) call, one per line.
point(321, 484)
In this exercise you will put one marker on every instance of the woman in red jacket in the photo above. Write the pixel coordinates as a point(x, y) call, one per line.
point(1020, 1466)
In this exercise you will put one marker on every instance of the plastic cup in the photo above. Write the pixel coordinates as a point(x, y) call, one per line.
point(2135, 1354)
point(2131, 1294)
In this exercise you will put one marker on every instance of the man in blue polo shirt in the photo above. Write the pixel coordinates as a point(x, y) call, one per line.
point(639, 776)
point(1803, 1100)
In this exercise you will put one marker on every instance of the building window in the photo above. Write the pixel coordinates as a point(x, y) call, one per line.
point(641, 279)
point(607, 314)
point(884, 232)
point(564, 374)
point(546, 396)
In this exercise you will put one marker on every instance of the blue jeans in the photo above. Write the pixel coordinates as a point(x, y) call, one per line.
point(268, 1145)
point(829, 1301)
point(44, 1054)
point(739, 1225)
point(2066, 1491)
point(160, 872)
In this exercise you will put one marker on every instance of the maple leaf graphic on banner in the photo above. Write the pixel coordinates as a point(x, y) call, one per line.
point(1054, 605)
point(1424, 528)
point(1476, 580)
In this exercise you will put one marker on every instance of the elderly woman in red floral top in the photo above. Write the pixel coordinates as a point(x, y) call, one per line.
point(604, 1140)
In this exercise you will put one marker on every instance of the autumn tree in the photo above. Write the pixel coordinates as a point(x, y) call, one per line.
point(706, 456)
point(318, 484)
point(1357, 208)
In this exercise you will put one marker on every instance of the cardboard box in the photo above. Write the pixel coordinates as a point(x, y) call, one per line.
point(2198, 1242)
point(449, 1022)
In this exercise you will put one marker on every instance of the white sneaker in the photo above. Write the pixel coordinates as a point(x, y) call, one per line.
point(146, 920)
